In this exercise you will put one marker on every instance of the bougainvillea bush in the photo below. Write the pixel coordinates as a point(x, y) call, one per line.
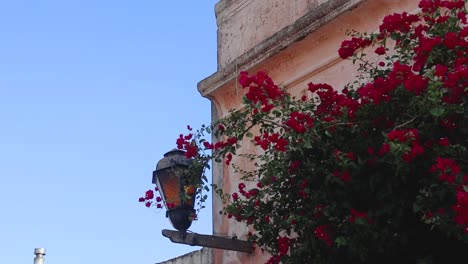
point(374, 172)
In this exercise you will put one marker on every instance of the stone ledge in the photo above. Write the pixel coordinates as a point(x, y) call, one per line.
point(202, 256)
point(279, 41)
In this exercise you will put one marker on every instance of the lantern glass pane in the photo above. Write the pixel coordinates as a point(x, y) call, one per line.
point(168, 183)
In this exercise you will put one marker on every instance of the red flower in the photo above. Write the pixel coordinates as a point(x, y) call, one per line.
point(299, 122)
point(244, 79)
point(251, 193)
point(349, 47)
point(228, 159)
point(416, 150)
point(351, 156)
point(380, 50)
point(322, 233)
point(191, 151)
point(384, 149)
point(283, 245)
point(294, 165)
point(446, 168)
point(232, 140)
point(444, 141)
point(416, 84)
point(450, 40)
point(280, 143)
point(149, 195)
point(356, 214)
point(440, 70)
point(345, 176)
point(461, 210)
point(403, 135)
point(397, 23)
point(274, 260)
point(208, 145)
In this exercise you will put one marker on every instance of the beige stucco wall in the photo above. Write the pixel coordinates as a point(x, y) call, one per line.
point(295, 42)
point(202, 256)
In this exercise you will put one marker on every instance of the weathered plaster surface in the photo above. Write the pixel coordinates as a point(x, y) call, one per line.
point(202, 256)
point(293, 51)
point(237, 18)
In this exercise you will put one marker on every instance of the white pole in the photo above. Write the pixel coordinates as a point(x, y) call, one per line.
point(39, 252)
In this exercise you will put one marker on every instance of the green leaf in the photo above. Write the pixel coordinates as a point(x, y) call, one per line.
point(395, 36)
point(437, 111)
point(341, 241)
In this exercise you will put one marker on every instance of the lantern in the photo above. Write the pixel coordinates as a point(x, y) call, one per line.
point(177, 182)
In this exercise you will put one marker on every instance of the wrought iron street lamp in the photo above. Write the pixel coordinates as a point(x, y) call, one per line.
point(177, 180)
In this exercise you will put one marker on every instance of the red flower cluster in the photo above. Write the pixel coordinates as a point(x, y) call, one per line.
point(332, 104)
point(266, 140)
point(456, 83)
point(446, 168)
point(430, 6)
point(444, 142)
point(283, 245)
point(299, 122)
point(375, 91)
point(148, 199)
point(294, 165)
point(402, 73)
point(403, 135)
point(410, 136)
point(345, 176)
point(275, 259)
point(461, 210)
point(246, 194)
point(349, 47)
point(397, 23)
point(220, 144)
point(261, 89)
point(185, 143)
point(302, 192)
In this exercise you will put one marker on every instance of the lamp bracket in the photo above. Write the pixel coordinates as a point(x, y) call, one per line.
point(209, 241)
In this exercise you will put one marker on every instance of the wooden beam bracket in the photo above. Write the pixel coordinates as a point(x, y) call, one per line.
point(194, 239)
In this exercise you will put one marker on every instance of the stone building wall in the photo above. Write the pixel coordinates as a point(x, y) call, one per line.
point(295, 42)
point(202, 256)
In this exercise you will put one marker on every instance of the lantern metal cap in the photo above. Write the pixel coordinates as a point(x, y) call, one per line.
point(174, 157)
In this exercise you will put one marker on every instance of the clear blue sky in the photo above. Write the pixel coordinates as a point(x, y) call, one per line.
point(92, 94)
